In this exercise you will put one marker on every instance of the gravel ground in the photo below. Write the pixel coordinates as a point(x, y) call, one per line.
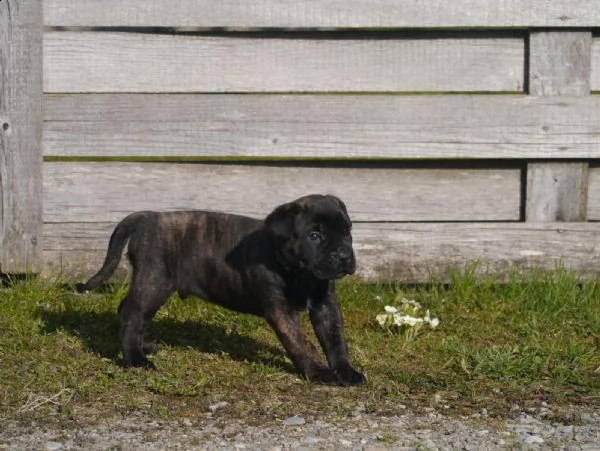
point(429, 430)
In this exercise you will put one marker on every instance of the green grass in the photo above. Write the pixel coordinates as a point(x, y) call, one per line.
point(523, 341)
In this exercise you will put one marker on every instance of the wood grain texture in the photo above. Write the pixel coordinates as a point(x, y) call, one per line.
point(407, 252)
point(556, 192)
point(595, 70)
point(319, 13)
point(106, 192)
point(594, 194)
point(560, 65)
point(319, 126)
point(20, 136)
point(138, 62)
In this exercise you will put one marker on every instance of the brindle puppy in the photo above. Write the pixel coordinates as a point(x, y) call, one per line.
point(273, 268)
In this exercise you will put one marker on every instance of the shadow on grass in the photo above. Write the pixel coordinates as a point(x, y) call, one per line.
point(99, 333)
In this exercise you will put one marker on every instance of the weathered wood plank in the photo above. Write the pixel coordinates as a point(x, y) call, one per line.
point(595, 70)
point(329, 13)
point(560, 65)
point(20, 136)
point(138, 62)
point(594, 194)
point(82, 192)
point(556, 192)
point(342, 126)
point(408, 252)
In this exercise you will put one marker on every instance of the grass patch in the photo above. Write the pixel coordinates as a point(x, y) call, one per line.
point(527, 340)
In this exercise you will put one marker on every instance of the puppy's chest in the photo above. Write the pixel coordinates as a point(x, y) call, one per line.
point(298, 295)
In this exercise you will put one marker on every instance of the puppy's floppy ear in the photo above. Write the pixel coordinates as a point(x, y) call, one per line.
point(281, 220)
point(339, 202)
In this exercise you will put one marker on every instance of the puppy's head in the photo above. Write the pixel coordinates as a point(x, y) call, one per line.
point(313, 234)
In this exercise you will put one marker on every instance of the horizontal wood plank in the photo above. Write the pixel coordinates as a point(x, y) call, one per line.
point(139, 62)
point(106, 192)
point(328, 13)
point(409, 252)
point(321, 126)
point(405, 252)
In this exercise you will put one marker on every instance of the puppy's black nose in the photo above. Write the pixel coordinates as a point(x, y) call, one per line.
point(347, 261)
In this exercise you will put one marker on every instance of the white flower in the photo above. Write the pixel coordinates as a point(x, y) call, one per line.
point(382, 319)
point(407, 319)
point(412, 303)
point(433, 322)
point(378, 298)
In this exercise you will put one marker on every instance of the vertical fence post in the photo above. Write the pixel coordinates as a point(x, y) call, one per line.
point(559, 64)
point(21, 30)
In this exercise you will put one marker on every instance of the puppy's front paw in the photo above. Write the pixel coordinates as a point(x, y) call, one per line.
point(322, 375)
point(139, 363)
point(349, 376)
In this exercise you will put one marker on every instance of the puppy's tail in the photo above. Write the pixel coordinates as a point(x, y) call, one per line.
point(118, 240)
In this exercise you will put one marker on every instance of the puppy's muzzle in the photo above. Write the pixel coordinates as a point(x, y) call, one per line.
point(346, 260)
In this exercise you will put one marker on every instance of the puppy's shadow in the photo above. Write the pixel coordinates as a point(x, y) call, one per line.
point(99, 333)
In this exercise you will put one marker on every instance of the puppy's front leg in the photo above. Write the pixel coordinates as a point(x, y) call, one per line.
point(326, 318)
point(285, 322)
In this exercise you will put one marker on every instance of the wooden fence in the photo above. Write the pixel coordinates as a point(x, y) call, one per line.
point(454, 130)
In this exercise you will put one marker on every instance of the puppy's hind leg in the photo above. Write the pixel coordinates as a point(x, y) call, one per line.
point(135, 314)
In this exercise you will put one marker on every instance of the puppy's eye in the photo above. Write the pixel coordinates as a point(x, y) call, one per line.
point(315, 236)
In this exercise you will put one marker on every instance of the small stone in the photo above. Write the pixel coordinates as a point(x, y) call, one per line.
point(310, 440)
point(53, 446)
point(357, 412)
point(526, 419)
point(186, 422)
point(565, 430)
point(294, 421)
point(587, 418)
point(533, 440)
point(345, 442)
point(218, 406)
point(375, 447)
